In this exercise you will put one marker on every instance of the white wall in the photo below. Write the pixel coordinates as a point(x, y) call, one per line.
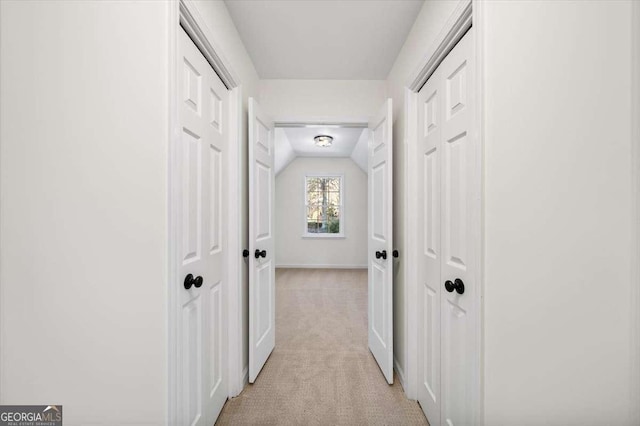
point(291, 248)
point(83, 223)
point(557, 212)
point(557, 207)
point(283, 151)
point(360, 153)
point(426, 28)
point(304, 99)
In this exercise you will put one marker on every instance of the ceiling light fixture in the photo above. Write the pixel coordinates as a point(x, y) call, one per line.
point(323, 141)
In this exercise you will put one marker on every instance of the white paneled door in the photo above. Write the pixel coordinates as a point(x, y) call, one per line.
point(448, 302)
point(201, 169)
point(381, 240)
point(262, 292)
point(429, 253)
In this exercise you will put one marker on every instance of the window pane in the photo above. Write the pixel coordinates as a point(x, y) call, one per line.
point(333, 184)
point(333, 220)
point(333, 198)
point(313, 184)
point(323, 220)
point(314, 198)
point(333, 211)
point(315, 220)
point(323, 205)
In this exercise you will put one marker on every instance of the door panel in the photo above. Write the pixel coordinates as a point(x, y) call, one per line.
point(448, 318)
point(381, 240)
point(455, 390)
point(201, 232)
point(215, 337)
point(191, 167)
point(458, 316)
point(262, 336)
point(192, 363)
point(377, 299)
point(429, 130)
point(215, 199)
point(263, 205)
point(263, 314)
point(378, 200)
point(455, 206)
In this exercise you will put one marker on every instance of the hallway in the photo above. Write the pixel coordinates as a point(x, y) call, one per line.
point(321, 371)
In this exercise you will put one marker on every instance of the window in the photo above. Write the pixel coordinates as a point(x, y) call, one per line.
point(323, 199)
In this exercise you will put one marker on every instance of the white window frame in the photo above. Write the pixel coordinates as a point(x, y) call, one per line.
point(305, 233)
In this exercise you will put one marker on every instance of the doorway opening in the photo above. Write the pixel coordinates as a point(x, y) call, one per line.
point(321, 269)
point(321, 366)
point(321, 196)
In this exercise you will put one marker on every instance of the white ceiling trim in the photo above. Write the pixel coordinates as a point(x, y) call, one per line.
point(319, 124)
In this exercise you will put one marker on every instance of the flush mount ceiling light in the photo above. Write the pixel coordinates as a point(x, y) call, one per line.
point(323, 141)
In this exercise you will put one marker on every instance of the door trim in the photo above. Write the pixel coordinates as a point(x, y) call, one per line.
point(458, 24)
point(184, 14)
point(335, 120)
point(411, 245)
point(634, 413)
point(235, 244)
point(466, 14)
point(193, 24)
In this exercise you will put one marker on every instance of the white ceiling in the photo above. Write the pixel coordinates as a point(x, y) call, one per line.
point(344, 140)
point(323, 39)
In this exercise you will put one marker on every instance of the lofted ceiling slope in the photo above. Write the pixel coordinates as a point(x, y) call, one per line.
point(294, 142)
point(330, 39)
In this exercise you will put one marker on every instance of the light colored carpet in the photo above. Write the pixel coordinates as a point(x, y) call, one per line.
point(321, 371)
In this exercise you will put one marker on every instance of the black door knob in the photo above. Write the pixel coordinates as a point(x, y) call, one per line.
point(448, 285)
point(197, 283)
point(395, 253)
point(456, 285)
point(381, 254)
point(245, 253)
point(188, 281)
point(258, 254)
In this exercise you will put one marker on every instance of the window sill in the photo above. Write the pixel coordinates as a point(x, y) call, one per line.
point(323, 236)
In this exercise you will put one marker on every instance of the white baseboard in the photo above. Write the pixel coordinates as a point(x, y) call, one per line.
point(400, 373)
point(310, 266)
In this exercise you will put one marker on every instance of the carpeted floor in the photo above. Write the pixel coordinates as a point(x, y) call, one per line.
point(321, 371)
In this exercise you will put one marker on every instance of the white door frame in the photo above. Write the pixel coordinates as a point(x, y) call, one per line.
point(336, 120)
point(467, 12)
point(634, 414)
point(183, 13)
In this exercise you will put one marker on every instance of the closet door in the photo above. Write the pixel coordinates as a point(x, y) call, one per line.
point(458, 266)
point(202, 312)
point(450, 176)
point(429, 133)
